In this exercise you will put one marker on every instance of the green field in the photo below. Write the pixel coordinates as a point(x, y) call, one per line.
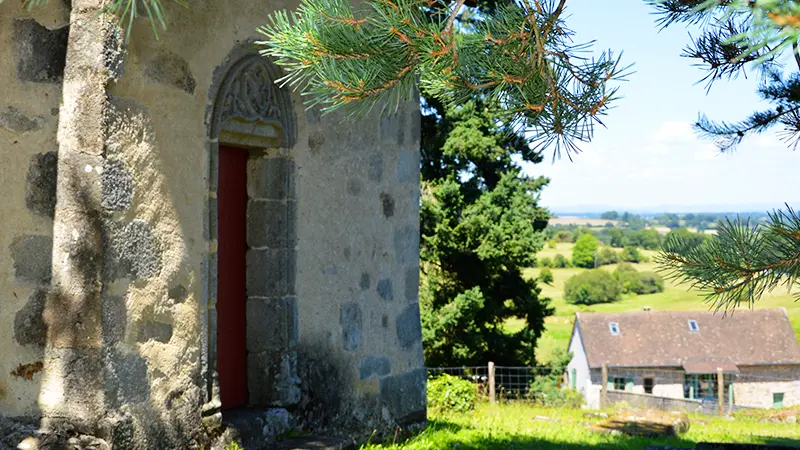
point(675, 297)
point(518, 426)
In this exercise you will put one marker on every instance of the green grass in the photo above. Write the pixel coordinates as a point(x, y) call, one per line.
point(512, 426)
point(674, 298)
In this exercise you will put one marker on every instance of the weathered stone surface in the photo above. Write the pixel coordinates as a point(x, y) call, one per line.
point(272, 179)
point(114, 318)
point(316, 139)
point(271, 323)
point(125, 379)
point(40, 187)
point(387, 204)
point(365, 282)
point(154, 331)
point(29, 325)
point(170, 69)
point(132, 250)
point(409, 330)
point(412, 284)
point(272, 379)
point(375, 170)
point(40, 54)
point(271, 224)
point(374, 365)
point(32, 257)
point(355, 186)
point(16, 121)
point(404, 395)
point(385, 289)
point(270, 272)
point(650, 423)
point(350, 318)
point(316, 443)
point(407, 168)
point(116, 188)
point(406, 245)
point(14, 430)
point(178, 294)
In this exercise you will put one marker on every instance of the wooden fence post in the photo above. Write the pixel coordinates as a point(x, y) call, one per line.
point(604, 386)
point(721, 391)
point(491, 382)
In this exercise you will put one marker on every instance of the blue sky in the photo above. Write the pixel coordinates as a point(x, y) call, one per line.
point(648, 158)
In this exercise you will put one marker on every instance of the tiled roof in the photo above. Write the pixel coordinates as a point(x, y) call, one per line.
point(664, 338)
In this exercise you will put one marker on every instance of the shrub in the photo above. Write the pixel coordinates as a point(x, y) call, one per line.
point(546, 275)
point(606, 256)
point(545, 262)
point(583, 252)
point(631, 254)
point(564, 236)
point(592, 286)
point(552, 243)
point(546, 388)
point(635, 282)
point(449, 393)
point(561, 262)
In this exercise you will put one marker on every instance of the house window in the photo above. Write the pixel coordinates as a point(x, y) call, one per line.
point(693, 327)
point(705, 386)
point(777, 400)
point(648, 385)
point(620, 383)
point(614, 327)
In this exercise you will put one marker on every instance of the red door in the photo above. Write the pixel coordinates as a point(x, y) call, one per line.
point(231, 282)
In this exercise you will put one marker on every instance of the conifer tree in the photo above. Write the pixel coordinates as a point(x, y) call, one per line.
point(743, 260)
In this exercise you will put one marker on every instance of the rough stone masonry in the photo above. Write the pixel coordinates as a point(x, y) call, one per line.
point(110, 246)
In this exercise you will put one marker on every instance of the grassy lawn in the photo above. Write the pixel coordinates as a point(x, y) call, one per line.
point(674, 298)
point(512, 426)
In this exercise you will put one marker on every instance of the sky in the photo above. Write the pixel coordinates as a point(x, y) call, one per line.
point(648, 158)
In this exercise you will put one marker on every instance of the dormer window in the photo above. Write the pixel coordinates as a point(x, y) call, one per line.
point(614, 328)
point(693, 327)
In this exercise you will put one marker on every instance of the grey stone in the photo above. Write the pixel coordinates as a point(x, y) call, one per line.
point(15, 121)
point(272, 379)
point(404, 395)
point(387, 203)
point(154, 331)
point(29, 325)
point(350, 318)
point(125, 378)
point(316, 139)
point(170, 69)
point(178, 294)
point(407, 169)
point(32, 257)
point(132, 250)
point(374, 365)
point(406, 245)
point(40, 187)
point(287, 383)
point(385, 321)
point(271, 324)
point(40, 54)
point(14, 430)
point(385, 289)
point(409, 330)
point(412, 284)
point(272, 179)
point(114, 318)
point(375, 171)
point(271, 224)
point(270, 272)
point(116, 185)
point(276, 422)
point(354, 186)
point(365, 281)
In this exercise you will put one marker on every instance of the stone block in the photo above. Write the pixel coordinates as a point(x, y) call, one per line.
point(270, 272)
point(407, 169)
point(113, 318)
point(125, 379)
point(364, 283)
point(385, 289)
point(40, 187)
point(351, 321)
point(271, 324)
point(412, 284)
point(409, 330)
point(404, 395)
point(387, 204)
point(375, 169)
point(154, 331)
point(261, 371)
point(406, 245)
point(40, 54)
point(271, 179)
point(29, 325)
point(316, 139)
point(172, 70)
point(116, 185)
point(374, 365)
point(32, 257)
point(131, 250)
point(17, 122)
point(271, 224)
point(178, 294)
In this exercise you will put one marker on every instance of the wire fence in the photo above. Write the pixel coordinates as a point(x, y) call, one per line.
point(712, 392)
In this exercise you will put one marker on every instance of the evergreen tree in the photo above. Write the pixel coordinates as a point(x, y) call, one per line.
point(481, 225)
point(583, 253)
point(743, 260)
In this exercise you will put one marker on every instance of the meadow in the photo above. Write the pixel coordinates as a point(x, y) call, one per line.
point(676, 297)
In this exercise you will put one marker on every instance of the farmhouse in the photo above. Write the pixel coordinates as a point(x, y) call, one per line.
point(185, 247)
point(652, 355)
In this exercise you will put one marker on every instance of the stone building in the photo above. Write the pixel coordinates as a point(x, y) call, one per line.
point(672, 359)
point(184, 245)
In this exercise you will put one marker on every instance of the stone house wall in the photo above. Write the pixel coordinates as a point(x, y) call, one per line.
point(755, 386)
point(333, 319)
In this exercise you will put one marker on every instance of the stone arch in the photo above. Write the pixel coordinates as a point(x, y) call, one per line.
point(249, 111)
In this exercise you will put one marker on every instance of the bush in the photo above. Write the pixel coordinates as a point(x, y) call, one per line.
point(546, 388)
point(546, 276)
point(591, 287)
point(449, 393)
point(552, 243)
point(561, 262)
point(631, 254)
point(634, 282)
point(564, 236)
point(583, 252)
point(545, 262)
point(606, 256)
